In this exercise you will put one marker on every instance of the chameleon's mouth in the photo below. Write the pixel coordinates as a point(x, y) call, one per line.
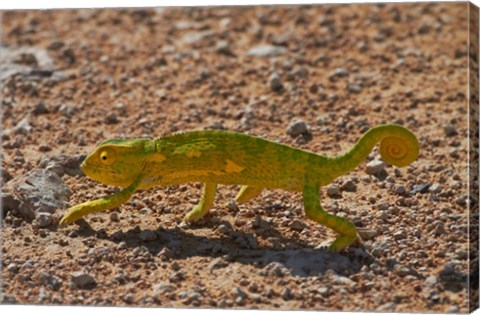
point(89, 169)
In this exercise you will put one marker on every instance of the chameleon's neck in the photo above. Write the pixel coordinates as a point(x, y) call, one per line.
point(398, 146)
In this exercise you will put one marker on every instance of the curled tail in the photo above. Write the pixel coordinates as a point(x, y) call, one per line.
point(398, 146)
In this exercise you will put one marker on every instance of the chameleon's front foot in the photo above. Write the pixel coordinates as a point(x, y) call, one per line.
point(73, 214)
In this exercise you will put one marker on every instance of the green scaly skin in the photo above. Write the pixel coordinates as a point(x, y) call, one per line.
point(221, 157)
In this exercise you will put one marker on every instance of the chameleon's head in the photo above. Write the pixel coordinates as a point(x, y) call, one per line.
point(116, 162)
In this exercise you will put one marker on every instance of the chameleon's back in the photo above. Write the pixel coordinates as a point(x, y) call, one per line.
point(229, 158)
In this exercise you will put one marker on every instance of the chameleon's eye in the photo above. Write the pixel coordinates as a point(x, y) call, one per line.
point(107, 157)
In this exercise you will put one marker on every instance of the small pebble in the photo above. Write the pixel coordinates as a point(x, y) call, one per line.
point(147, 235)
point(422, 188)
point(450, 130)
point(239, 293)
point(223, 47)
point(337, 73)
point(223, 228)
point(431, 281)
point(23, 127)
point(399, 189)
point(296, 128)
point(333, 190)
point(286, 294)
point(114, 216)
point(111, 119)
point(297, 225)
point(266, 51)
point(275, 83)
point(349, 185)
point(375, 167)
point(162, 288)
point(40, 109)
point(399, 235)
point(81, 279)
point(44, 219)
point(12, 268)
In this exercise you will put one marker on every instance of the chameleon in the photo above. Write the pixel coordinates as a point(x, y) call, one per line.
point(215, 157)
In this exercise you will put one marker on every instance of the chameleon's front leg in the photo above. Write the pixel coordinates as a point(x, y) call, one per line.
point(102, 204)
point(204, 205)
point(313, 210)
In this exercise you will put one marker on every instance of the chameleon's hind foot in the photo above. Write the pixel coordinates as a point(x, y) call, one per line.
point(204, 205)
point(195, 214)
point(343, 241)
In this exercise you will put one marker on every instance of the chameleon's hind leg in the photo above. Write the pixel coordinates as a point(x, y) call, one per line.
point(204, 205)
point(247, 192)
point(313, 210)
point(102, 204)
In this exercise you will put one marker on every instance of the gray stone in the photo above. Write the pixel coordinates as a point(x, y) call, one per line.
point(375, 167)
point(81, 279)
point(266, 51)
point(13, 61)
point(38, 191)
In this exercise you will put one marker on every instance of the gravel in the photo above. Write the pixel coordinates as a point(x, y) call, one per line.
point(211, 67)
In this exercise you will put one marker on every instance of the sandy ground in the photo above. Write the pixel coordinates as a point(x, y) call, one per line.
point(73, 78)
